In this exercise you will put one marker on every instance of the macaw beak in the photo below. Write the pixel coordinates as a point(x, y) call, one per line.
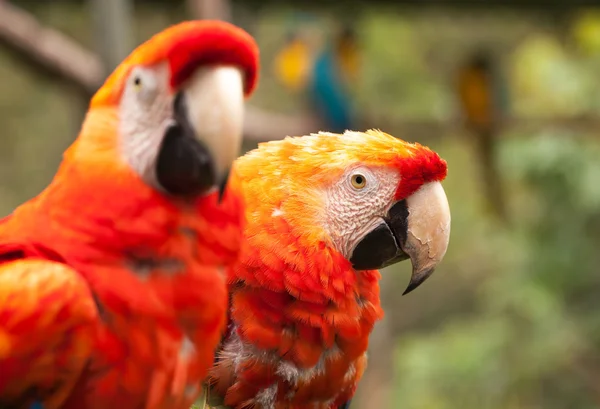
point(417, 228)
point(206, 135)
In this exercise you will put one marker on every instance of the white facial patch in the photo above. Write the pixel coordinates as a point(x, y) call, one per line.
point(354, 209)
point(214, 97)
point(145, 112)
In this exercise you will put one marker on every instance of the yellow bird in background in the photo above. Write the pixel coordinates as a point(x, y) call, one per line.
point(475, 93)
point(483, 101)
point(293, 64)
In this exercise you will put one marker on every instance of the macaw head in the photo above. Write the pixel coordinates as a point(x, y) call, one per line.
point(369, 197)
point(172, 112)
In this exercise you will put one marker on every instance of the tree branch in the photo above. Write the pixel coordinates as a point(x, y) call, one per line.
point(48, 51)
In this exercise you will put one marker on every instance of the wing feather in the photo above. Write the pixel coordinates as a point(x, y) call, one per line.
point(48, 321)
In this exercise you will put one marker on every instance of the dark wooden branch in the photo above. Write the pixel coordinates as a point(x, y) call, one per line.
point(48, 51)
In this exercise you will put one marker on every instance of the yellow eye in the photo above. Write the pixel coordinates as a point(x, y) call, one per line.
point(137, 83)
point(358, 181)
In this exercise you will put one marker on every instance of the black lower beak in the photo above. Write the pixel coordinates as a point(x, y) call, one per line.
point(184, 165)
point(382, 246)
point(223, 186)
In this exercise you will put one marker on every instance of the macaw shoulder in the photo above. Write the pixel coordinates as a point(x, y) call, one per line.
point(41, 300)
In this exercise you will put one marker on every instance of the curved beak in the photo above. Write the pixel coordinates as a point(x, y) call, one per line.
point(417, 228)
point(206, 135)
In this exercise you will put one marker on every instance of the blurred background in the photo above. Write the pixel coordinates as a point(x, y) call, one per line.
point(508, 95)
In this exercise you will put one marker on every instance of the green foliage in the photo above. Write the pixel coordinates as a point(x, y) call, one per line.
point(534, 330)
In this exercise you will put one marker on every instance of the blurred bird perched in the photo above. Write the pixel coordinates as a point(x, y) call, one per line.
point(326, 75)
point(482, 95)
point(335, 68)
point(292, 64)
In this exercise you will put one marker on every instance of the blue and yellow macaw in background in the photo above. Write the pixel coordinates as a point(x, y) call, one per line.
point(325, 76)
point(334, 70)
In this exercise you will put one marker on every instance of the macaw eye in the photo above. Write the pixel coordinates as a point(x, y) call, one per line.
point(137, 83)
point(144, 84)
point(358, 181)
